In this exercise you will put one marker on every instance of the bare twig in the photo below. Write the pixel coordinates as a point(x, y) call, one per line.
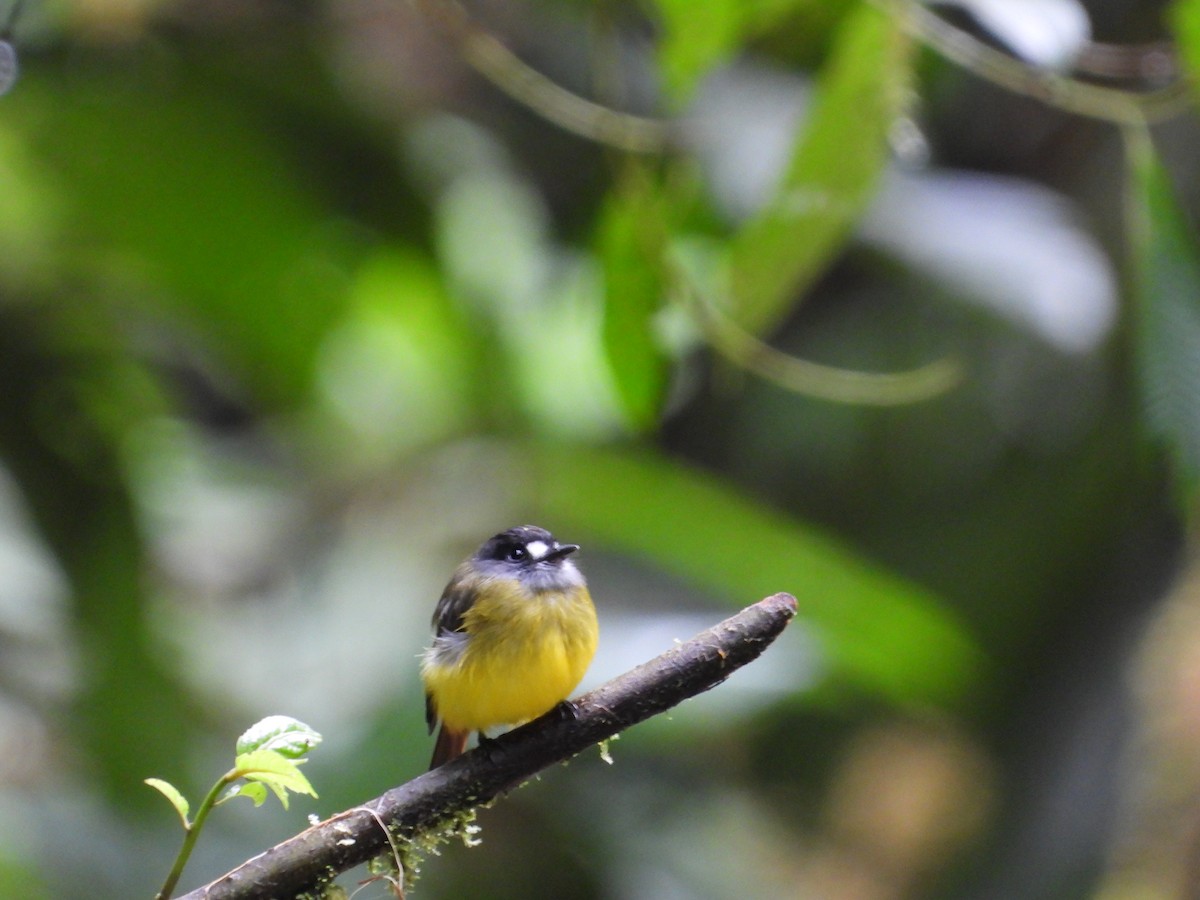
point(1110, 104)
point(427, 802)
point(802, 376)
point(813, 379)
point(526, 85)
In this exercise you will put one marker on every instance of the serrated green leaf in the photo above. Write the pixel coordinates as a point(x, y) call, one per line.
point(1167, 288)
point(833, 170)
point(286, 736)
point(629, 241)
point(280, 791)
point(267, 763)
point(275, 771)
point(173, 795)
point(292, 782)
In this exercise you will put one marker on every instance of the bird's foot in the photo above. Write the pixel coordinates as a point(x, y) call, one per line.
point(566, 711)
point(487, 746)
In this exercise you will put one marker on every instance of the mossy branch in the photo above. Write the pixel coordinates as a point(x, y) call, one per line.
point(343, 841)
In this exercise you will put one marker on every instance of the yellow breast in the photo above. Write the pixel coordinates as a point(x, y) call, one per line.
point(523, 655)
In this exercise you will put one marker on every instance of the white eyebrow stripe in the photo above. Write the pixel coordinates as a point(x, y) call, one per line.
point(537, 549)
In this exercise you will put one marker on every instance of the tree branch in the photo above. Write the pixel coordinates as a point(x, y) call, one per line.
point(343, 841)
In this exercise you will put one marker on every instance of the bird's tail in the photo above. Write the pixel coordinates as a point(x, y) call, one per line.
point(450, 743)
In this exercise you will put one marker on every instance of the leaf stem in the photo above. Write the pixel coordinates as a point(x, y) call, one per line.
point(192, 832)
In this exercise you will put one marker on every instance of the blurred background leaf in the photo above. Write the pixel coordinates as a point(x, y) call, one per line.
point(631, 242)
point(171, 190)
point(883, 636)
point(296, 309)
point(699, 39)
point(1167, 266)
point(1185, 19)
point(833, 169)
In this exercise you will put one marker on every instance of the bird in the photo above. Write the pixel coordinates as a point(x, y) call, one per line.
point(514, 631)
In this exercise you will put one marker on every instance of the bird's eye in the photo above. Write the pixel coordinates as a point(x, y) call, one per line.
point(516, 554)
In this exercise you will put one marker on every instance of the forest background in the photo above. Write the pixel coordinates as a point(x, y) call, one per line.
point(892, 306)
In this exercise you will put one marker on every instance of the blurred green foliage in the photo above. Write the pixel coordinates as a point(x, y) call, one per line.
point(834, 167)
point(1167, 267)
point(295, 310)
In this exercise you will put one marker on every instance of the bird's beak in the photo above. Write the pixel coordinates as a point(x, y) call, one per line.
point(559, 552)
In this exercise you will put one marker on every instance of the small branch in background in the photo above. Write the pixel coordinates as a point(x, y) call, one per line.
point(641, 134)
point(1152, 64)
point(802, 376)
point(429, 802)
point(529, 87)
point(1082, 98)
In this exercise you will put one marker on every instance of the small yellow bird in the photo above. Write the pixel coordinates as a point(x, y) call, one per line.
point(514, 631)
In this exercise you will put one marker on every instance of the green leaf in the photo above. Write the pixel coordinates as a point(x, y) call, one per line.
point(173, 795)
point(630, 243)
point(1167, 292)
point(700, 36)
point(279, 790)
point(274, 770)
point(253, 790)
point(286, 736)
point(880, 633)
point(268, 763)
point(1184, 17)
point(832, 173)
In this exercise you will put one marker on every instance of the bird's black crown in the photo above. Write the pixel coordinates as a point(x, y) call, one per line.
point(513, 545)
